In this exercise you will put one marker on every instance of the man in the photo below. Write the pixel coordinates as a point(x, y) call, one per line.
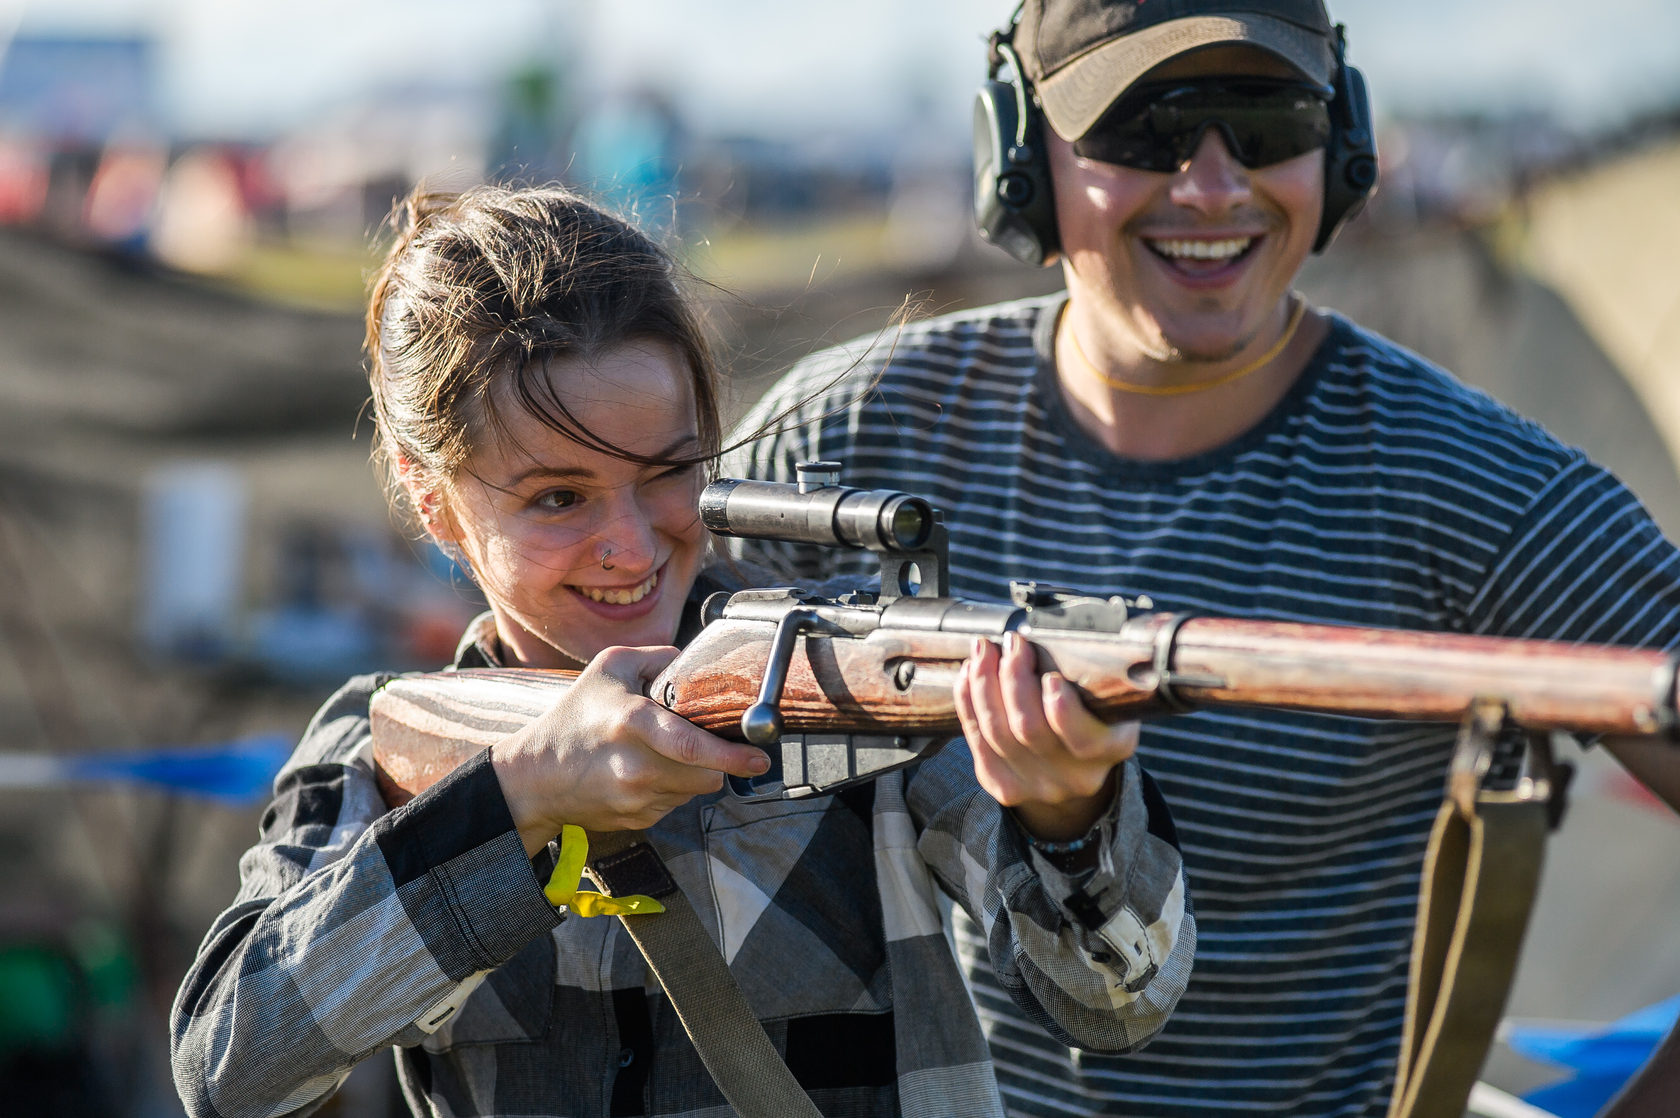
point(1181, 424)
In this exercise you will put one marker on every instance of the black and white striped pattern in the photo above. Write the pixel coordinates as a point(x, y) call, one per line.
point(1379, 492)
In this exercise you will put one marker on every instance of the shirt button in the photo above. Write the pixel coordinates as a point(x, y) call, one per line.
point(626, 1057)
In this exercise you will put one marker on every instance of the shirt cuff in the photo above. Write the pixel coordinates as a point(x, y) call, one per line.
point(461, 873)
point(1133, 898)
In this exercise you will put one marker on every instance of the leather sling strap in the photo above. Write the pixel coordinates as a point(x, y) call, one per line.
point(732, 1043)
point(1481, 872)
point(1479, 879)
point(1480, 875)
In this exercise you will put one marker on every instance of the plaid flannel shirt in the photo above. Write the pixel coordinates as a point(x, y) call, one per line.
point(425, 929)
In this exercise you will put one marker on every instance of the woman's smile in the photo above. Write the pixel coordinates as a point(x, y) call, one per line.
point(628, 596)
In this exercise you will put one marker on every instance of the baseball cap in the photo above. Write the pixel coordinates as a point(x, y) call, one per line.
point(1082, 54)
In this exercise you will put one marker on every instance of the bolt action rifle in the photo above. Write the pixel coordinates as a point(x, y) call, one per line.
point(841, 688)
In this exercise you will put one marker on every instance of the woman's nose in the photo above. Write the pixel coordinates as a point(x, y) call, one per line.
point(626, 529)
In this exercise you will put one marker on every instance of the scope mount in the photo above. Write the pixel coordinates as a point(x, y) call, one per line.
point(912, 544)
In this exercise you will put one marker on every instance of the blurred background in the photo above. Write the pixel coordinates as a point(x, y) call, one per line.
point(194, 550)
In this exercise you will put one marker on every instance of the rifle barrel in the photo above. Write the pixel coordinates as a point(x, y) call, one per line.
point(1429, 677)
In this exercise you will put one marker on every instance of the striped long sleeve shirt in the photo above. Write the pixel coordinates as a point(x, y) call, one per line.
point(1379, 492)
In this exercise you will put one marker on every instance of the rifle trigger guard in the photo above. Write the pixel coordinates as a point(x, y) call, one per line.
point(1168, 681)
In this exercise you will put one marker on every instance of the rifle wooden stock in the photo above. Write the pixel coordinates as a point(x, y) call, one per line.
point(898, 681)
point(426, 726)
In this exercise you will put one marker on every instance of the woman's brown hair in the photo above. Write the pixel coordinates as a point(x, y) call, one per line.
point(493, 282)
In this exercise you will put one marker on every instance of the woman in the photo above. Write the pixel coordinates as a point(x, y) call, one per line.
point(546, 404)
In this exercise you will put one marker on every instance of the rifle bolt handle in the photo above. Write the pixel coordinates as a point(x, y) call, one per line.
point(762, 724)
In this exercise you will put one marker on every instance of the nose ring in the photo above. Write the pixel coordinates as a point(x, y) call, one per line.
point(606, 553)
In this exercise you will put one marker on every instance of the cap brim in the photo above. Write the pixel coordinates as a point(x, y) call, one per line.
point(1075, 96)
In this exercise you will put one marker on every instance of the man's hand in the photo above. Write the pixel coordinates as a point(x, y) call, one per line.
point(1653, 761)
point(607, 758)
point(1654, 1089)
point(1036, 748)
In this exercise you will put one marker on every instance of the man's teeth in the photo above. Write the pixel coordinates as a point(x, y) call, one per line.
point(621, 597)
point(1203, 250)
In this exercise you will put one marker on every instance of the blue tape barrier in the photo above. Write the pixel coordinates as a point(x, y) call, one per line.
point(237, 772)
point(1602, 1057)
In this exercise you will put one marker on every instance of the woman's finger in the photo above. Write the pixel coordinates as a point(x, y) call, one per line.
point(1086, 737)
point(991, 769)
point(1023, 702)
point(680, 741)
point(986, 695)
point(665, 733)
point(633, 668)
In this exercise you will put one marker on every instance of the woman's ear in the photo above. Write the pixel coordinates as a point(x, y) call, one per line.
point(425, 493)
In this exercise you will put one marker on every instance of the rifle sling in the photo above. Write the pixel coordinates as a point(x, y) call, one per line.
point(1480, 875)
point(732, 1043)
point(1481, 872)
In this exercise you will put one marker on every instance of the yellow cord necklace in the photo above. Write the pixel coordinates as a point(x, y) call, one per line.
point(1295, 316)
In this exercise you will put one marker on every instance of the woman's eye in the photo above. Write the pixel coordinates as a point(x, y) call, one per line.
point(675, 472)
point(556, 499)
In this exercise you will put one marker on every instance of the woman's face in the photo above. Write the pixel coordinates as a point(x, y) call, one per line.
point(537, 513)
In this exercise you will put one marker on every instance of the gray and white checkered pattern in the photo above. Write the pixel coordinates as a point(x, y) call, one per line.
point(356, 929)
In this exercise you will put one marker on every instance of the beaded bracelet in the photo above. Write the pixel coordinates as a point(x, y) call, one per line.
point(1045, 847)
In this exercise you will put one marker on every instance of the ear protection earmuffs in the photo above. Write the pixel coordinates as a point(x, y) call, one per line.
point(1014, 205)
point(1350, 158)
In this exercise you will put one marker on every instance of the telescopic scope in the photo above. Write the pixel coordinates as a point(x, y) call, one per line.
point(881, 520)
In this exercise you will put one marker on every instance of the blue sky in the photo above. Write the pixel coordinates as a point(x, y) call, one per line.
point(785, 66)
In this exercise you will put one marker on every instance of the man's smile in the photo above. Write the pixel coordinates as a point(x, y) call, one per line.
point(1220, 251)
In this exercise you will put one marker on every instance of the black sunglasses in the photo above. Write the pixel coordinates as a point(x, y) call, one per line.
point(1156, 127)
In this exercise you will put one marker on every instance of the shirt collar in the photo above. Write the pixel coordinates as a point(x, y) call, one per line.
point(480, 647)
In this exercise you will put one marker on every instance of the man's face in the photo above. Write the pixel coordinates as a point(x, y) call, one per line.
point(1191, 264)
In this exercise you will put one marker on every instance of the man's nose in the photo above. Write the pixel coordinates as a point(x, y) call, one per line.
point(1212, 180)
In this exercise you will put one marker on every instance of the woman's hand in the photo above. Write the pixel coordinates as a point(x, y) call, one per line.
point(1036, 748)
point(607, 758)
